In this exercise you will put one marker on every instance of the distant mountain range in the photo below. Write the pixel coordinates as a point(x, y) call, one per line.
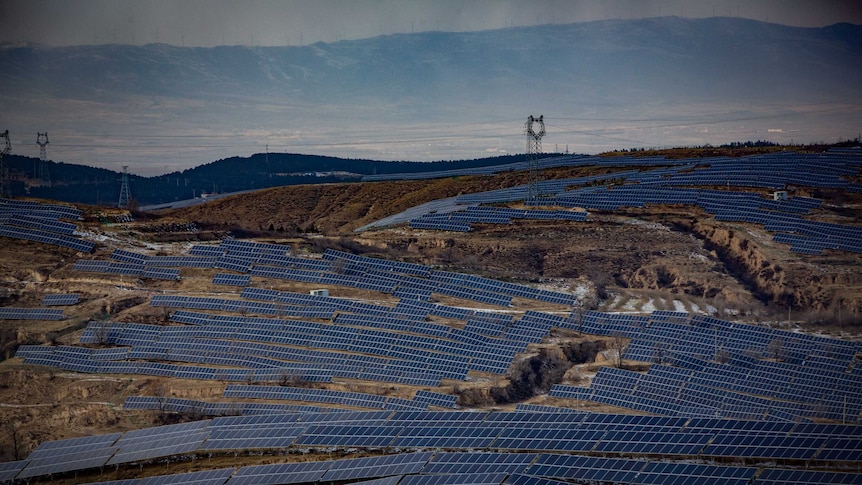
point(662, 81)
point(671, 58)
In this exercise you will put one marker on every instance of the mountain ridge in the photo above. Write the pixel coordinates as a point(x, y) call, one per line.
point(666, 81)
point(92, 185)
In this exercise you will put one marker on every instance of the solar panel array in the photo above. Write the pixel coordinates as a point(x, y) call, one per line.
point(817, 387)
point(418, 278)
point(782, 217)
point(416, 359)
point(37, 222)
point(46, 238)
point(768, 171)
point(413, 283)
point(125, 268)
point(760, 405)
point(810, 380)
point(231, 254)
point(427, 353)
point(613, 448)
point(9, 207)
point(664, 186)
point(684, 341)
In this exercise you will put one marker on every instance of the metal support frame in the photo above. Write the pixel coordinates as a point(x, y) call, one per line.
point(44, 174)
point(535, 130)
point(125, 193)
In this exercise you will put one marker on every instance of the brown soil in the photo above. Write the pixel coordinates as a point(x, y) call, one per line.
point(338, 209)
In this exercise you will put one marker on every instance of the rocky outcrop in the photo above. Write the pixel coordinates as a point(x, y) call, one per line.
point(797, 283)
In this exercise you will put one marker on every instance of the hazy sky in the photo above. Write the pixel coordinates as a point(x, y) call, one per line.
point(296, 22)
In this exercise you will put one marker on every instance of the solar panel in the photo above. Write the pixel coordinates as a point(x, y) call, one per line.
point(13, 313)
point(478, 462)
point(67, 462)
point(9, 469)
point(207, 251)
point(483, 478)
point(180, 262)
point(282, 473)
point(46, 238)
point(521, 479)
point(231, 279)
point(157, 442)
point(44, 223)
point(586, 468)
point(771, 476)
point(161, 274)
point(206, 477)
point(435, 399)
point(346, 435)
point(378, 466)
point(694, 473)
point(60, 299)
point(60, 456)
point(254, 438)
point(128, 256)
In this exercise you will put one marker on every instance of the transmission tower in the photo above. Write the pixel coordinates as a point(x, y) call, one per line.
point(4, 178)
point(44, 175)
point(534, 149)
point(125, 193)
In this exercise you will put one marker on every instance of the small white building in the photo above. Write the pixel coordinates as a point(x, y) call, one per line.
point(779, 195)
point(323, 292)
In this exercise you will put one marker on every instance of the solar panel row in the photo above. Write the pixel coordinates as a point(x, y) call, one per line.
point(659, 186)
point(46, 238)
point(27, 207)
point(461, 220)
point(343, 398)
point(60, 299)
point(622, 436)
point(811, 382)
point(33, 221)
point(16, 313)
